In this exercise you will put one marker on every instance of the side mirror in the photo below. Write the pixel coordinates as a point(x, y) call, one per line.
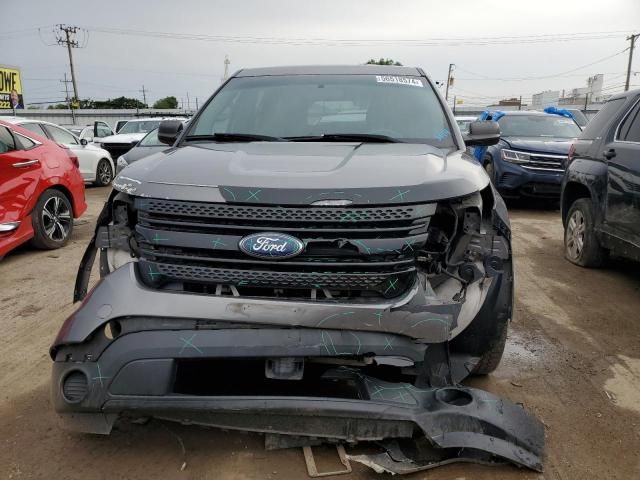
point(169, 130)
point(482, 133)
point(83, 142)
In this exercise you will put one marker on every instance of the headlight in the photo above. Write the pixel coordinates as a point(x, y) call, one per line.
point(515, 157)
point(121, 163)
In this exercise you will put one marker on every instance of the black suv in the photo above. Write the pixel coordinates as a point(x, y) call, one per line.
point(601, 187)
point(316, 256)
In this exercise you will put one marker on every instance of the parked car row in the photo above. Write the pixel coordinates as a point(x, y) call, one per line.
point(41, 188)
point(96, 164)
point(39, 195)
point(593, 168)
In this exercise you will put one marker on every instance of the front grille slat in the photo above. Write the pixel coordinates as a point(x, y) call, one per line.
point(545, 162)
point(353, 249)
point(309, 261)
point(314, 215)
point(184, 225)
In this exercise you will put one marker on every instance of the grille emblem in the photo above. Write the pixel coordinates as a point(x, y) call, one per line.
point(332, 203)
point(271, 245)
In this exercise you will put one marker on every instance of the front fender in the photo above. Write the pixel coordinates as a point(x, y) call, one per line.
point(590, 175)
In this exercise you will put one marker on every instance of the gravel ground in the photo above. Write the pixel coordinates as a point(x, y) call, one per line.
point(573, 359)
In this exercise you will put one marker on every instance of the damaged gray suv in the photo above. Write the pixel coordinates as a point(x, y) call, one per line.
point(316, 258)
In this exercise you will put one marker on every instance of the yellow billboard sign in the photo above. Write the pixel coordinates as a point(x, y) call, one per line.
point(10, 88)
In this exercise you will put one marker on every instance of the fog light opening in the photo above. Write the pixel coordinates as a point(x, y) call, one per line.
point(75, 386)
point(454, 396)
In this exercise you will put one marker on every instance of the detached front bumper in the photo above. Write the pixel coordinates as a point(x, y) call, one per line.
point(455, 423)
point(227, 362)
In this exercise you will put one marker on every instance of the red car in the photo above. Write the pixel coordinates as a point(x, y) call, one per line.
point(41, 190)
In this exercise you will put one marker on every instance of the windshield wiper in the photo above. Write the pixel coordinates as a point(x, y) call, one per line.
point(234, 137)
point(345, 137)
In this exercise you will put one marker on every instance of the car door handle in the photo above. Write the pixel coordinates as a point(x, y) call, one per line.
point(609, 154)
point(26, 163)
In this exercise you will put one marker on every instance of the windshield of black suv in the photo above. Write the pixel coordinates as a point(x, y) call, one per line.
point(139, 127)
point(401, 108)
point(538, 126)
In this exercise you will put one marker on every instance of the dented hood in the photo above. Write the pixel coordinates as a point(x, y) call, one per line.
point(304, 172)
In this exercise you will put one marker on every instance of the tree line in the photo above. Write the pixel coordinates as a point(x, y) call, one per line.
point(119, 103)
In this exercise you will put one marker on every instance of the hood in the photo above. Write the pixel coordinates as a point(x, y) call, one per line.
point(124, 138)
point(95, 148)
point(136, 153)
point(559, 146)
point(304, 173)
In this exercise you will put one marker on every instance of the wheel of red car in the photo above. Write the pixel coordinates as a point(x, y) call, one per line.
point(104, 173)
point(52, 220)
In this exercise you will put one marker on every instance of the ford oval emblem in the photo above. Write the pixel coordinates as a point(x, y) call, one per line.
point(271, 245)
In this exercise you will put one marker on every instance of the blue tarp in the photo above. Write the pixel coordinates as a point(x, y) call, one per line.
point(496, 115)
point(558, 111)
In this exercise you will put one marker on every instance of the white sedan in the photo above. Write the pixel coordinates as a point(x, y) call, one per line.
point(96, 164)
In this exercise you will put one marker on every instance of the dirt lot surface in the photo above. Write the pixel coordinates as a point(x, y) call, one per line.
point(573, 359)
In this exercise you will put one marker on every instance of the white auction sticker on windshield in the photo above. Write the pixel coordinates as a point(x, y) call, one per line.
point(414, 82)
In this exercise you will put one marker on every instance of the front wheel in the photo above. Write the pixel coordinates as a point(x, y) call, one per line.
point(490, 359)
point(52, 220)
point(104, 173)
point(581, 245)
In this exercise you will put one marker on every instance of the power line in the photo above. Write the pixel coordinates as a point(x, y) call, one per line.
point(375, 42)
point(542, 77)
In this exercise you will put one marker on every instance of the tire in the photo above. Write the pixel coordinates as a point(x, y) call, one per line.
point(104, 173)
point(52, 220)
point(581, 245)
point(490, 360)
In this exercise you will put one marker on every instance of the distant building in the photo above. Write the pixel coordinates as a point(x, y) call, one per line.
point(545, 99)
point(578, 96)
point(509, 102)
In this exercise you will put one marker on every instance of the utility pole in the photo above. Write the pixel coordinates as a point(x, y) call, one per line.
point(66, 93)
point(227, 62)
point(144, 95)
point(69, 40)
point(454, 104)
point(188, 102)
point(196, 103)
point(586, 102)
point(632, 40)
point(449, 81)
point(520, 103)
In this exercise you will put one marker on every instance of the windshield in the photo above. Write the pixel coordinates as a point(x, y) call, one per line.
point(151, 140)
point(538, 126)
point(402, 107)
point(139, 127)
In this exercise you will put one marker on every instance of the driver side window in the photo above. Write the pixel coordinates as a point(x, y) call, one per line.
point(7, 142)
